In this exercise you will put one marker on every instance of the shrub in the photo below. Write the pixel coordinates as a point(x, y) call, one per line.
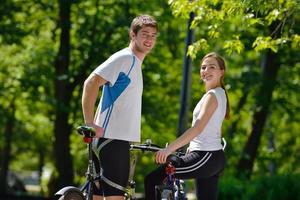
point(277, 187)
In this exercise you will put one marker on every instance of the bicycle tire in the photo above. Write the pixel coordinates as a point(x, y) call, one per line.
point(72, 195)
point(167, 194)
point(163, 192)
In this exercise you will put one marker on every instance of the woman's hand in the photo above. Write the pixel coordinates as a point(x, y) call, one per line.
point(161, 156)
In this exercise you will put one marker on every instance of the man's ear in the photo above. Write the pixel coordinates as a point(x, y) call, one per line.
point(132, 34)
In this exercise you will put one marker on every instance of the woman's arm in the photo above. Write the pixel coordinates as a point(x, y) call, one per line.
point(209, 106)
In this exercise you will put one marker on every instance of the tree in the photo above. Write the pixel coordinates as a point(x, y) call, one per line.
point(63, 96)
point(45, 88)
point(271, 24)
point(23, 99)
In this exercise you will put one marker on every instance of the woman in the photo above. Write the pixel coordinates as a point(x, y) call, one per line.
point(205, 159)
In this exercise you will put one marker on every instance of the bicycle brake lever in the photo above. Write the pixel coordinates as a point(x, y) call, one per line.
point(174, 159)
point(148, 142)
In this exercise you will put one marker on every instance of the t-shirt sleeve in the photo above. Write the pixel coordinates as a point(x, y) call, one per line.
point(216, 94)
point(113, 66)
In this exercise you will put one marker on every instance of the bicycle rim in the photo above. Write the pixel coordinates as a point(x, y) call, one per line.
point(73, 195)
point(167, 195)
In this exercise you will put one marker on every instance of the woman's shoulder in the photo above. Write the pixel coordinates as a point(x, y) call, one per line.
point(218, 90)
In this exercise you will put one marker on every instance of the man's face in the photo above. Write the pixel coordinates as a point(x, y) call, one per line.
point(145, 39)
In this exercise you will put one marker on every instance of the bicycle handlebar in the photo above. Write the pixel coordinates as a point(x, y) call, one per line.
point(86, 131)
point(148, 146)
point(145, 147)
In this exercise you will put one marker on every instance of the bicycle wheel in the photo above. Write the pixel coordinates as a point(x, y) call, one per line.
point(163, 192)
point(72, 195)
point(167, 194)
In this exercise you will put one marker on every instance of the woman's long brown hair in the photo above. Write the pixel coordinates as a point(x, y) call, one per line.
point(222, 65)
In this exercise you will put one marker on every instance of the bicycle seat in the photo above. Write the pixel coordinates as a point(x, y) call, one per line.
point(86, 131)
point(173, 159)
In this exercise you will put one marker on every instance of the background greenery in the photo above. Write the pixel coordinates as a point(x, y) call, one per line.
point(48, 48)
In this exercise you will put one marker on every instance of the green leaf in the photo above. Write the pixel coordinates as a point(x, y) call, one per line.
point(262, 43)
point(234, 45)
point(295, 41)
point(196, 47)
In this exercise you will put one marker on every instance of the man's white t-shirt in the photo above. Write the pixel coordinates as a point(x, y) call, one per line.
point(119, 110)
point(210, 138)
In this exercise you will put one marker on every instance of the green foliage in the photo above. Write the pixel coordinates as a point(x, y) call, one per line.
point(231, 188)
point(238, 30)
point(241, 32)
point(295, 41)
point(200, 45)
point(240, 16)
point(265, 187)
point(232, 46)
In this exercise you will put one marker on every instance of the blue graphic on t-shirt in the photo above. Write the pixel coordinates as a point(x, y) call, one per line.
point(112, 93)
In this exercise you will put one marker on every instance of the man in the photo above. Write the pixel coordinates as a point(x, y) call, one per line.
point(118, 118)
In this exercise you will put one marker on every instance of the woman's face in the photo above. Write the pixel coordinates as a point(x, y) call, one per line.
point(210, 71)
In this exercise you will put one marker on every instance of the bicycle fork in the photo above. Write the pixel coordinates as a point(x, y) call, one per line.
point(173, 188)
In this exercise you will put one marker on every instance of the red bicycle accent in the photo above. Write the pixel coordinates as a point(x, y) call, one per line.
point(87, 140)
point(170, 169)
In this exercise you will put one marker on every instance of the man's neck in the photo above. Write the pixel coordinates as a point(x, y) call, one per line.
point(138, 53)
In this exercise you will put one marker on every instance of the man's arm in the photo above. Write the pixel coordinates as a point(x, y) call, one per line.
point(89, 96)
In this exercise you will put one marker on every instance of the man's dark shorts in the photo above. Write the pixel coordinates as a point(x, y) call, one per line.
point(115, 162)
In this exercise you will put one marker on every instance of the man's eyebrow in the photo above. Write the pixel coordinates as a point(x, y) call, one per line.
point(144, 31)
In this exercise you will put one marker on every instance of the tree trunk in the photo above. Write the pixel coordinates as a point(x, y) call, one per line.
point(264, 99)
point(63, 95)
point(64, 90)
point(8, 131)
point(40, 166)
point(242, 102)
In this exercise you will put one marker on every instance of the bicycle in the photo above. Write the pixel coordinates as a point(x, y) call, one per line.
point(85, 192)
point(171, 189)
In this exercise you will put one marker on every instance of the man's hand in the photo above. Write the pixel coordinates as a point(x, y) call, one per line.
point(99, 130)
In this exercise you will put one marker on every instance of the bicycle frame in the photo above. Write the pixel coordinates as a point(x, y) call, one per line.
point(172, 187)
point(85, 192)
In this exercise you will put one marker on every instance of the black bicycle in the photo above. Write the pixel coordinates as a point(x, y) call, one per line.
point(172, 188)
point(85, 192)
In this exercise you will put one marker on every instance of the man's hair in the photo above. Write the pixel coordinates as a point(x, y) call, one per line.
point(141, 21)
